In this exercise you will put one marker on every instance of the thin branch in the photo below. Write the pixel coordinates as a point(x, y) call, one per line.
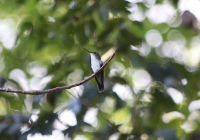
point(38, 92)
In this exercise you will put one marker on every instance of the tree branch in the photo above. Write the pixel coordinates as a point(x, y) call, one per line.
point(38, 92)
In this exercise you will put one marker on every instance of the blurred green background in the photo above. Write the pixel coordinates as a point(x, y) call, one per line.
point(152, 85)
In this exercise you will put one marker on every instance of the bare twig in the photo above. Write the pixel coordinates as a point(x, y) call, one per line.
point(38, 92)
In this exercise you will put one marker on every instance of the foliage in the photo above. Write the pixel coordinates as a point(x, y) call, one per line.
point(151, 85)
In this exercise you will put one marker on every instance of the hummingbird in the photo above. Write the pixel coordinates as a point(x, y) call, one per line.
point(96, 64)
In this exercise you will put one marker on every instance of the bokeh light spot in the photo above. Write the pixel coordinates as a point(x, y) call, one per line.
point(153, 38)
point(175, 95)
point(141, 79)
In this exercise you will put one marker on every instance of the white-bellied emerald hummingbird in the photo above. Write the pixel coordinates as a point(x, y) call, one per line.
point(96, 64)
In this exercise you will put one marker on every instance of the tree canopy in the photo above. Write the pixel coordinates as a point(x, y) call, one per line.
point(152, 84)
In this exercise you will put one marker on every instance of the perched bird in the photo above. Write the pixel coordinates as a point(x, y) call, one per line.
point(96, 64)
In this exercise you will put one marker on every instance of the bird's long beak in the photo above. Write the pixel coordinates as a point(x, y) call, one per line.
point(86, 50)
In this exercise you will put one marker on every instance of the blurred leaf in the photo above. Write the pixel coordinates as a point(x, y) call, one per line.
point(104, 35)
point(159, 1)
point(88, 9)
point(119, 6)
point(90, 28)
point(80, 34)
point(103, 13)
point(175, 2)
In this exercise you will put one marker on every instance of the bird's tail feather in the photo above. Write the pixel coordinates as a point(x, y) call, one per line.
point(101, 88)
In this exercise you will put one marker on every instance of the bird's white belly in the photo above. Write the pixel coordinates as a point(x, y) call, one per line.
point(95, 64)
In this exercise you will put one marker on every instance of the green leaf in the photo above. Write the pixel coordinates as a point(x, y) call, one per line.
point(90, 27)
point(103, 13)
